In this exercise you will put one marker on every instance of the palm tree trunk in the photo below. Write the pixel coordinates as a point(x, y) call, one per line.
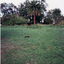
point(34, 19)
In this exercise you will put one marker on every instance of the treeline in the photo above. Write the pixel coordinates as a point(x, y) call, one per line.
point(30, 12)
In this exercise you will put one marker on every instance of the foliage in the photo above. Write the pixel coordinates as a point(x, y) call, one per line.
point(32, 8)
point(36, 6)
point(48, 21)
point(20, 20)
point(8, 8)
point(63, 17)
point(44, 46)
point(22, 10)
point(49, 14)
point(12, 20)
point(61, 24)
point(6, 19)
point(54, 15)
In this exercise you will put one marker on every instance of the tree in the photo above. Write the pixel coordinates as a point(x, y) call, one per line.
point(56, 14)
point(48, 18)
point(8, 8)
point(23, 8)
point(36, 7)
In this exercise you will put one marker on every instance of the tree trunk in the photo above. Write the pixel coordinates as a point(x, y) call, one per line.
point(34, 19)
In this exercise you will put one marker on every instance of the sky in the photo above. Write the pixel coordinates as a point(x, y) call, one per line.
point(52, 4)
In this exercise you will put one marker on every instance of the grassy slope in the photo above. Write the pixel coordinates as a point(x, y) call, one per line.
point(45, 45)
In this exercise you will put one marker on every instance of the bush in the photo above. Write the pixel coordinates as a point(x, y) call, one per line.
point(20, 20)
point(61, 23)
point(8, 19)
point(5, 19)
point(12, 20)
point(47, 21)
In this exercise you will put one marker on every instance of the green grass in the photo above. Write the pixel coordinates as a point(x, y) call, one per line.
point(44, 46)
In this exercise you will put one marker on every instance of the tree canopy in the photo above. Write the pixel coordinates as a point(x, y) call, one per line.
point(32, 7)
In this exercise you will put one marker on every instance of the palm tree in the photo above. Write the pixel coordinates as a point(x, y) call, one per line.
point(35, 7)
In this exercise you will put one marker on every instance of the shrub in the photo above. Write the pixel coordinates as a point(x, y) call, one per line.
point(47, 21)
point(13, 19)
point(5, 19)
point(8, 19)
point(20, 20)
point(61, 23)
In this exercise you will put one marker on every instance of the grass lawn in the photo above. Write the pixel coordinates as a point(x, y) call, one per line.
point(45, 45)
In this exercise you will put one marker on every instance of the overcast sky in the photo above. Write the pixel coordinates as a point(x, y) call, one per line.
point(52, 4)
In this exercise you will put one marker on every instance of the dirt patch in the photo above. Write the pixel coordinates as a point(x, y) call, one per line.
point(5, 47)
